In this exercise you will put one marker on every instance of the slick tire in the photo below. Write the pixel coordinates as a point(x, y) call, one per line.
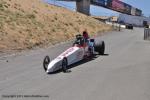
point(99, 47)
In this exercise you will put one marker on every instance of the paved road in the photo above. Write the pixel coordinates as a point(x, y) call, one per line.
point(122, 74)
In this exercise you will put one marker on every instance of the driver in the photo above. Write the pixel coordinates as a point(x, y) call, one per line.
point(87, 40)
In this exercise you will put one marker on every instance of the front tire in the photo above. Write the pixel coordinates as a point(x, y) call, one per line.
point(46, 62)
point(64, 64)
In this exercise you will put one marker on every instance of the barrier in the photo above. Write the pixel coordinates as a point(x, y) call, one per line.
point(129, 26)
point(146, 33)
point(116, 24)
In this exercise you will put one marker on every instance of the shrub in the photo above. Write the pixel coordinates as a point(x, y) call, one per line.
point(31, 16)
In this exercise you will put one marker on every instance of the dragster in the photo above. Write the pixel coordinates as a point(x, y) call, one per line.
point(81, 49)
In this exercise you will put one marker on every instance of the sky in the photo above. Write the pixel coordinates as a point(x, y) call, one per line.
point(144, 5)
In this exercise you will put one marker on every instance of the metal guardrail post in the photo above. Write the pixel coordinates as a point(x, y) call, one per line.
point(144, 33)
point(148, 35)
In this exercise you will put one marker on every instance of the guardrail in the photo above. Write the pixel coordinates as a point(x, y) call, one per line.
point(146, 33)
point(116, 26)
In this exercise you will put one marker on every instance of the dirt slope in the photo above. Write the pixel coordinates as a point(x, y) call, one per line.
point(25, 24)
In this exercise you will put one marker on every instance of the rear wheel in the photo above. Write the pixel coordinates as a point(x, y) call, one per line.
point(100, 47)
point(46, 62)
point(64, 64)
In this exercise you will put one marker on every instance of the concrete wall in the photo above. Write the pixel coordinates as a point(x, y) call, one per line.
point(134, 20)
point(83, 6)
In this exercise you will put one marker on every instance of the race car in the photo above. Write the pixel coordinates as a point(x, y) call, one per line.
point(81, 49)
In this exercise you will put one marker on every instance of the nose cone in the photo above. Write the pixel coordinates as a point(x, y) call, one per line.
point(53, 66)
point(50, 70)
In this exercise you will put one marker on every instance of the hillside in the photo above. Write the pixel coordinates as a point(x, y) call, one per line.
point(25, 24)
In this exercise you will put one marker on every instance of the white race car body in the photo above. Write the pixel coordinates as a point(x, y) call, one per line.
point(81, 48)
point(73, 55)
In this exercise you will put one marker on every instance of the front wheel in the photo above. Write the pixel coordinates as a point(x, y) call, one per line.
point(46, 62)
point(64, 64)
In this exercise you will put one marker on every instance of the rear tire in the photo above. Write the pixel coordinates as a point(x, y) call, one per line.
point(64, 64)
point(100, 47)
point(46, 62)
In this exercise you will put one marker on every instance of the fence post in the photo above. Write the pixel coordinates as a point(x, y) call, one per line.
point(144, 33)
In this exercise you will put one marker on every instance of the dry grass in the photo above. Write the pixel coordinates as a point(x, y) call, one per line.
point(25, 24)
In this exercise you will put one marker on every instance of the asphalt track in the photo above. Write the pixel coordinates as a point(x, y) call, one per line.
point(123, 73)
